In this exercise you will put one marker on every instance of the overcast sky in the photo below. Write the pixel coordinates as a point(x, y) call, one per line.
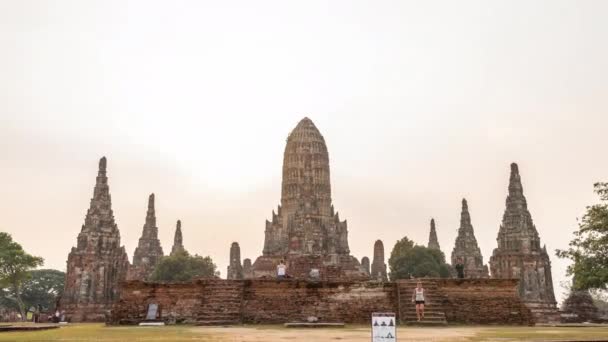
point(421, 103)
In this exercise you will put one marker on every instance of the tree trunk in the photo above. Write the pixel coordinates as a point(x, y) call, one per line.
point(20, 304)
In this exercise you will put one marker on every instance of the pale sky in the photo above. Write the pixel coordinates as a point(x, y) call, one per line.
point(421, 103)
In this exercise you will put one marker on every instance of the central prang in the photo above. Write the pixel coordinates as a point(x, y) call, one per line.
point(305, 232)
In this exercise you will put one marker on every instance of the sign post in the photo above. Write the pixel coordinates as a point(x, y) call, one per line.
point(384, 327)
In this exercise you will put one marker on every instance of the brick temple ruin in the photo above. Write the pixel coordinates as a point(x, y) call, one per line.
point(466, 251)
point(98, 263)
point(265, 301)
point(305, 232)
point(579, 307)
point(433, 241)
point(519, 254)
point(149, 251)
point(326, 281)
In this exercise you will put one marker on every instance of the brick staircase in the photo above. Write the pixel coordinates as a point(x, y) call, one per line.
point(433, 309)
point(224, 306)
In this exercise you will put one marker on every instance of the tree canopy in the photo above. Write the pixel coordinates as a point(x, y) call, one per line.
point(409, 260)
point(589, 248)
point(43, 288)
point(15, 266)
point(184, 267)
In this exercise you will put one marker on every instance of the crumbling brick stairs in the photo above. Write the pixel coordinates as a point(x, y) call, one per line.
point(434, 314)
point(224, 307)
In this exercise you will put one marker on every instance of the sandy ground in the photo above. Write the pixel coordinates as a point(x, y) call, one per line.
point(347, 334)
point(277, 333)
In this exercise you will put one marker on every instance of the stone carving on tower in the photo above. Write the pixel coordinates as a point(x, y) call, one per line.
point(178, 245)
point(433, 241)
point(519, 254)
point(235, 270)
point(305, 231)
point(149, 251)
point(378, 271)
point(98, 263)
point(466, 250)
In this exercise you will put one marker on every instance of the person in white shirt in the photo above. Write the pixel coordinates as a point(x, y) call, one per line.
point(418, 297)
point(281, 270)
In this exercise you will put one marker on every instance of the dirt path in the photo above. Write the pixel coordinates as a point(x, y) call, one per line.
point(361, 334)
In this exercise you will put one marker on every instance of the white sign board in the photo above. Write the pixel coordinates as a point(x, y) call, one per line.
point(384, 327)
point(152, 311)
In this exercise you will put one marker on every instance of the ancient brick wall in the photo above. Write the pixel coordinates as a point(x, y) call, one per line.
point(263, 301)
point(177, 302)
point(271, 301)
point(466, 301)
point(483, 301)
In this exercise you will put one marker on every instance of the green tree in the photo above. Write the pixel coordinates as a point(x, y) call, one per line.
point(589, 248)
point(409, 260)
point(184, 267)
point(43, 287)
point(15, 265)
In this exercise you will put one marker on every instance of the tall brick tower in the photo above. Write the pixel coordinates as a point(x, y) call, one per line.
point(378, 268)
point(178, 245)
point(433, 241)
point(466, 250)
point(306, 232)
point(98, 263)
point(519, 254)
point(149, 251)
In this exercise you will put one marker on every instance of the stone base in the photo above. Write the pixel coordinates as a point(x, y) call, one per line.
point(334, 267)
point(86, 312)
point(544, 312)
point(260, 301)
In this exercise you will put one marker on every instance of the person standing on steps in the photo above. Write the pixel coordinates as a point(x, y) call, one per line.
point(281, 270)
point(418, 298)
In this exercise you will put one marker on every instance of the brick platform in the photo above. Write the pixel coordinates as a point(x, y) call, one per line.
point(217, 301)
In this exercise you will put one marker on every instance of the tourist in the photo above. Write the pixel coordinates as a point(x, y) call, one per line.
point(281, 270)
point(418, 298)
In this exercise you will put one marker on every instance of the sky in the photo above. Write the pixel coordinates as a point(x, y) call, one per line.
point(420, 103)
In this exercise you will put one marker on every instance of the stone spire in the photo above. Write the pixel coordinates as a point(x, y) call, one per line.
point(98, 263)
point(178, 245)
point(466, 250)
point(149, 251)
point(519, 254)
point(433, 241)
point(305, 222)
point(378, 266)
point(365, 264)
point(305, 231)
point(247, 269)
point(235, 270)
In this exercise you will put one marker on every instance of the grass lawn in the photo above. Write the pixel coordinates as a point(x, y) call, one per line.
point(99, 332)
